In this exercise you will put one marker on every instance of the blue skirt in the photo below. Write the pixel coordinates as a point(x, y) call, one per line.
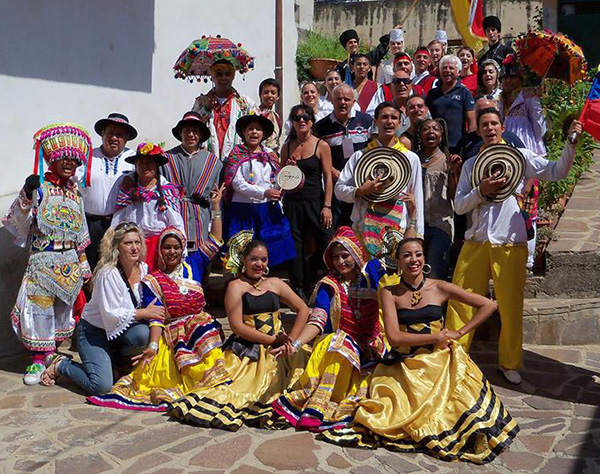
point(269, 225)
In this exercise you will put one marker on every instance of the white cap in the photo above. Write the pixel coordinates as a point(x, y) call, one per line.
point(397, 35)
point(441, 35)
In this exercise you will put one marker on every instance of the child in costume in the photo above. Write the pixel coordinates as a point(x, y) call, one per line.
point(148, 199)
point(48, 217)
point(254, 200)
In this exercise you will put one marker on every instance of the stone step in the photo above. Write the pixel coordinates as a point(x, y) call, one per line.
point(552, 321)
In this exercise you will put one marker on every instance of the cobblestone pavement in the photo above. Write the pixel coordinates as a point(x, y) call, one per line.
point(52, 430)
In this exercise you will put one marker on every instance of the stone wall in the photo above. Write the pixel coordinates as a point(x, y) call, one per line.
point(375, 18)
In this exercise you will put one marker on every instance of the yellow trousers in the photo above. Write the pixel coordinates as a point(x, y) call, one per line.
point(505, 264)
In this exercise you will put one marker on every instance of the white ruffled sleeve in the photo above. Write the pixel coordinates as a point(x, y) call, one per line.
point(115, 306)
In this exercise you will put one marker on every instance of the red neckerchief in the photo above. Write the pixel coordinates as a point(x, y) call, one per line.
point(221, 116)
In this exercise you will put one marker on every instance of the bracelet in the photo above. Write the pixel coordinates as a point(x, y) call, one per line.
point(153, 346)
point(327, 206)
point(216, 215)
point(412, 224)
point(297, 344)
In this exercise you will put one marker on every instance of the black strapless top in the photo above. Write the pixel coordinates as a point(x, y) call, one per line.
point(426, 314)
point(268, 302)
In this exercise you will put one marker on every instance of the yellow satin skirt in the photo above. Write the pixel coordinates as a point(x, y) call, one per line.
point(153, 387)
point(437, 402)
point(331, 388)
point(248, 398)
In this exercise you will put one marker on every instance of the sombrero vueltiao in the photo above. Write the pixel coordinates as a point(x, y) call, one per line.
point(506, 162)
point(387, 163)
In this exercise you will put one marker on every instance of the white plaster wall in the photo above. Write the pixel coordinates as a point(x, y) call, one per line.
point(78, 60)
point(28, 103)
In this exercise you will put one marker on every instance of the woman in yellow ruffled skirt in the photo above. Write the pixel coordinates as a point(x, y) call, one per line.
point(428, 395)
point(346, 315)
point(252, 304)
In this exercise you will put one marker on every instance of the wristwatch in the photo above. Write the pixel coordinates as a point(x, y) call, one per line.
point(153, 346)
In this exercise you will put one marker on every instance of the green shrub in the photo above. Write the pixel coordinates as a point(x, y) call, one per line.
point(315, 46)
point(563, 102)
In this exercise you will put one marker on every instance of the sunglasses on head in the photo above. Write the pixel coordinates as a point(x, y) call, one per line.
point(305, 117)
point(401, 80)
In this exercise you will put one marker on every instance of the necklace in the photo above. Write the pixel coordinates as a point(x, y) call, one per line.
point(255, 283)
point(427, 159)
point(416, 296)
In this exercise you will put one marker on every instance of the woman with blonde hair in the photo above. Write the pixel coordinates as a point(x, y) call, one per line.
point(113, 326)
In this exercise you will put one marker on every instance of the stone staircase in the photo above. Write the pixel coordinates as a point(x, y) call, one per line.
point(563, 306)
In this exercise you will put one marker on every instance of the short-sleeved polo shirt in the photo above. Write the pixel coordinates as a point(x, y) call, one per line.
point(452, 107)
point(358, 130)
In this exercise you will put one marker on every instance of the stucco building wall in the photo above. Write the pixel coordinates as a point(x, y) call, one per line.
point(74, 60)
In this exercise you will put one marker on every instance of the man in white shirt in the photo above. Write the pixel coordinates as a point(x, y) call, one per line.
point(496, 243)
point(106, 167)
point(406, 210)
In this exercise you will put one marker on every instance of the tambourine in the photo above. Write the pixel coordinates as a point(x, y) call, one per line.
point(501, 161)
point(388, 164)
point(290, 178)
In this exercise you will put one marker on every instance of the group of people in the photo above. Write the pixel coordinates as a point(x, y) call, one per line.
point(121, 242)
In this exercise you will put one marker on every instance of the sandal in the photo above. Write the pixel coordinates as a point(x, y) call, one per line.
point(51, 374)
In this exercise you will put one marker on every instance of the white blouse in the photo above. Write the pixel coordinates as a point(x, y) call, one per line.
point(147, 216)
point(111, 307)
point(252, 193)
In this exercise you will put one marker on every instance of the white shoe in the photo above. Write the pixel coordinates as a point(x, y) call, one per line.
point(512, 376)
point(33, 373)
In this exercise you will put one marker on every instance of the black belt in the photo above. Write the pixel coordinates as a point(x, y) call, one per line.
point(198, 200)
point(95, 218)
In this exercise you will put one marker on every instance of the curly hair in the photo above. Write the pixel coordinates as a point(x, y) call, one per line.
point(109, 246)
point(444, 141)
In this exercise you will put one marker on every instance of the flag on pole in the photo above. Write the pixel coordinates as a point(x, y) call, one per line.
point(590, 115)
point(468, 18)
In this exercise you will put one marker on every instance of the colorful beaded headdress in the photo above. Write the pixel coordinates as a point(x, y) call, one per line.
point(237, 244)
point(62, 140)
point(196, 60)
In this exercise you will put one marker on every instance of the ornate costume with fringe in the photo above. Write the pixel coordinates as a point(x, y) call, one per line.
point(189, 351)
point(338, 372)
point(52, 224)
point(427, 399)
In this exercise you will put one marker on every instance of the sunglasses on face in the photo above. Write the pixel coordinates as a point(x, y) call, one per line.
point(305, 117)
point(401, 80)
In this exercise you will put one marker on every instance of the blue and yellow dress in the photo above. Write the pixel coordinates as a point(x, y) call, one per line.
point(257, 377)
point(428, 399)
point(352, 343)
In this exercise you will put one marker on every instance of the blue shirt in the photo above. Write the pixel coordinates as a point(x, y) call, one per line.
point(452, 107)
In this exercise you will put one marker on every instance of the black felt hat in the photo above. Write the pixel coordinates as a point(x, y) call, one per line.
point(119, 119)
point(191, 118)
point(243, 122)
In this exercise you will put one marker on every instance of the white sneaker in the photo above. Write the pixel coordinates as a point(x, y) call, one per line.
point(33, 373)
point(512, 376)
